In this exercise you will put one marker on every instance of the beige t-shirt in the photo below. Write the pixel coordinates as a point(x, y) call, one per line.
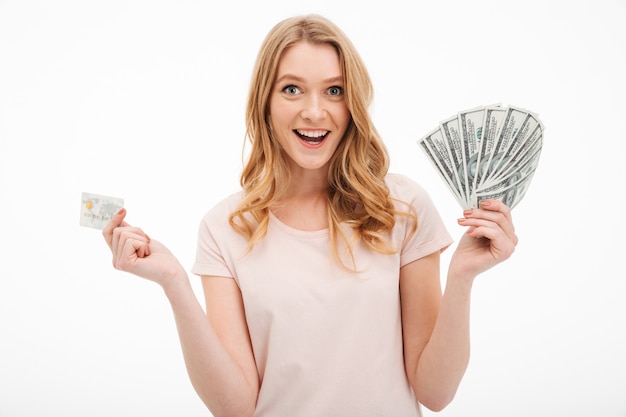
point(327, 342)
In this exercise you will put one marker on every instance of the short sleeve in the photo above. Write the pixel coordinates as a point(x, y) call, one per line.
point(431, 234)
point(218, 244)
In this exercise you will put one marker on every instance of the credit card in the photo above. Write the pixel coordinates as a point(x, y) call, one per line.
point(96, 210)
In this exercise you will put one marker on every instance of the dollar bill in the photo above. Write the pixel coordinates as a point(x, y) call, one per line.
point(492, 125)
point(451, 132)
point(510, 194)
point(527, 152)
point(487, 152)
point(531, 130)
point(438, 154)
point(512, 187)
point(514, 119)
point(471, 123)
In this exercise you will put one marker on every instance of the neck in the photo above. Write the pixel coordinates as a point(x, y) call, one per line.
point(304, 205)
point(307, 184)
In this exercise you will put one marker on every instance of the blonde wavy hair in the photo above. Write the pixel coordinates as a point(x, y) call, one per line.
point(357, 193)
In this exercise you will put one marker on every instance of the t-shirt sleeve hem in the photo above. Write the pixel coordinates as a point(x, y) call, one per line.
point(211, 270)
point(425, 250)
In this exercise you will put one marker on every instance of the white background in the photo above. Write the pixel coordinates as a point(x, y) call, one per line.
point(145, 100)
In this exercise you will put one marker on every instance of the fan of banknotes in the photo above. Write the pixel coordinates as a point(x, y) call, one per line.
point(488, 152)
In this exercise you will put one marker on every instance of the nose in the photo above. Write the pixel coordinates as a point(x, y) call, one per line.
point(314, 108)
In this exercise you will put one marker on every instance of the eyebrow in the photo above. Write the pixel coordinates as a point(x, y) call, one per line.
point(330, 80)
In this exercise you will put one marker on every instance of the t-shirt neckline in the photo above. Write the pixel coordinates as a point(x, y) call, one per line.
point(309, 234)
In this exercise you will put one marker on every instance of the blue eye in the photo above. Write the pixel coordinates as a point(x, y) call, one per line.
point(335, 91)
point(291, 90)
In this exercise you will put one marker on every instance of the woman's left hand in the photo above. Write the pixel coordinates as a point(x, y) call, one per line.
point(489, 239)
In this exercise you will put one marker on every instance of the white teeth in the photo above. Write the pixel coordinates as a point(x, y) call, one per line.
point(312, 133)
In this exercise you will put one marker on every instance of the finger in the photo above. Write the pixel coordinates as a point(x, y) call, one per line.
point(497, 205)
point(122, 234)
point(123, 240)
point(503, 241)
point(116, 220)
point(473, 221)
point(492, 207)
point(129, 253)
point(143, 250)
point(493, 211)
point(126, 228)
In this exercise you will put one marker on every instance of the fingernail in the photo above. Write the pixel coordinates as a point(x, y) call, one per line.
point(121, 211)
point(467, 212)
point(485, 203)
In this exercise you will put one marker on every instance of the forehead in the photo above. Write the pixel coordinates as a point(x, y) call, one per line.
point(309, 60)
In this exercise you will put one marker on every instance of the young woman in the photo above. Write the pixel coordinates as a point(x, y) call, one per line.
point(321, 276)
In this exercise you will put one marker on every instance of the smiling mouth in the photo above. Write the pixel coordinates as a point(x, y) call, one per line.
point(312, 137)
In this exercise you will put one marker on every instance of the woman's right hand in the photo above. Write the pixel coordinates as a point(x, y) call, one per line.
point(134, 252)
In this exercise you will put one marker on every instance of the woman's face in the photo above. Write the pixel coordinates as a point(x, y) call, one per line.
point(307, 109)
